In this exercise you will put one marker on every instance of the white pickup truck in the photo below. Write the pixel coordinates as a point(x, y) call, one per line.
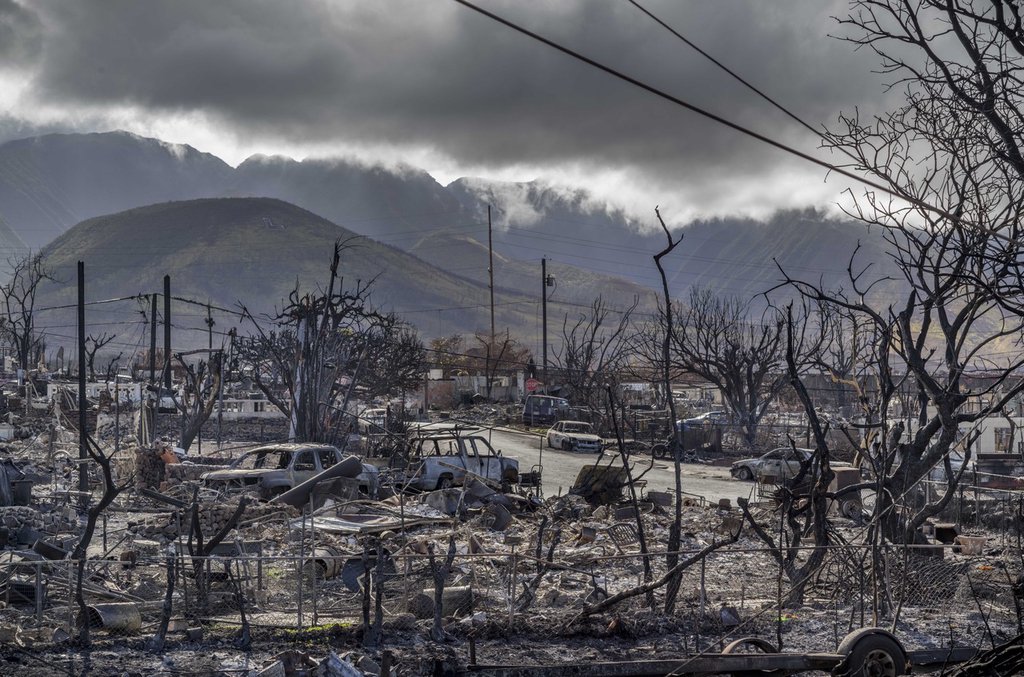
point(444, 460)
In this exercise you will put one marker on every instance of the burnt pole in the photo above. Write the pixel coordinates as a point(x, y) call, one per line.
point(152, 339)
point(544, 320)
point(83, 439)
point(167, 332)
point(149, 413)
point(545, 282)
point(490, 275)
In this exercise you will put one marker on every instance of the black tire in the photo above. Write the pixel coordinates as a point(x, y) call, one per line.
point(850, 508)
point(870, 652)
point(743, 473)
point(566, 445)
point(659, 450)
point(445, 482)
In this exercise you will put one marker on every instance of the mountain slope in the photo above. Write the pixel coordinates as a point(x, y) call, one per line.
point(253, 251)
point(49, 183)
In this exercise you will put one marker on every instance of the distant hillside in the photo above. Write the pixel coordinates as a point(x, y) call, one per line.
point(49, 183)
point(391, 205)
point(253, 250)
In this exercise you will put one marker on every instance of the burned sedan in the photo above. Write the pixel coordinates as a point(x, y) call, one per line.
point(274, 469)
point(782, 463)
point(573, 436)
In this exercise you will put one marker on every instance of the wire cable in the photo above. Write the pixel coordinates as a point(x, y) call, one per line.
point(709, 115)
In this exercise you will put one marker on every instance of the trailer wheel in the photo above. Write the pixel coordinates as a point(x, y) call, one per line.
point(850, 508)
point(750, 645)
point(871, 652)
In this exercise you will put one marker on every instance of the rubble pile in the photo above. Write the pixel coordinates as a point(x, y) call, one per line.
point(212, 518)
point(526, 581)
point(150, 466)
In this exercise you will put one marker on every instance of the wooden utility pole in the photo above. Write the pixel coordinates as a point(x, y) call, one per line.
point(544, 320)
point(167, 332)
point(152, 339)
point(490, 275)
point(490, 267)
point(83, 454)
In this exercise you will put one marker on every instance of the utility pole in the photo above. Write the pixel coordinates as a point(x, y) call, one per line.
point(154, 402)
point(545, 282)
point(490, 267)
point(83, 454)
point(544, 320)
point(167, 332)
point(152, 339)
point(490, 274)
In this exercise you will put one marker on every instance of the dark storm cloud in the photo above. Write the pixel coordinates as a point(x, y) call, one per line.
point(432, 73)
point(20, 33)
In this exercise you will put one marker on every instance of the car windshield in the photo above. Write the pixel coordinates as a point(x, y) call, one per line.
point(262, 459)
point(578, 428)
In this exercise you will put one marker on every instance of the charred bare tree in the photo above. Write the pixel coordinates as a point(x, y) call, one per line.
point(952, 153)
point(18, 295)
point(440, 575)
point(157, 643)
point(717, 339)
point(393, 358)
point(448, 353)
point(313, 341)
point(199, 394)
point(496, 355)
point(94, 344)
point(663, 358)
point(853, 353)
point(805, 515)
point(95, 509)
point(594, 348)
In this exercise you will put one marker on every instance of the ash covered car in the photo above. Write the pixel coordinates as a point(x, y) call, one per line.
point(708, 418)
point(574, 436)
point(441, 461)
point(274, 469)
point(782, 463)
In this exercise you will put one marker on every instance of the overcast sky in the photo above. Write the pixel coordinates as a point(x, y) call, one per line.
point(435, 85)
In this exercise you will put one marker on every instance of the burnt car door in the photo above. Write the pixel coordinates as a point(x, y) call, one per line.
point(305, 465)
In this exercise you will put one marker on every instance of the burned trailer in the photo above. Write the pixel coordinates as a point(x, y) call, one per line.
point(867, 651)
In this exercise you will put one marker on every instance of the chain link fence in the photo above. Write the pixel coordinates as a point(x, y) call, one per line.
point(734, 591)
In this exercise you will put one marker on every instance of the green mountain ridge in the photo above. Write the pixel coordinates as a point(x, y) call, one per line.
point(252, 251)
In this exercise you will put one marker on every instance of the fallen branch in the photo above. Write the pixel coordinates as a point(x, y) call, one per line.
point(654, 585)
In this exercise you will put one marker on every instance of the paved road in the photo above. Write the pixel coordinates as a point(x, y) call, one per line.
point(562, 467)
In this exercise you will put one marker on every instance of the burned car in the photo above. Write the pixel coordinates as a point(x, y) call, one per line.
point(782, 463)
point(274, 469)
point(444, 460)
point(573, 436)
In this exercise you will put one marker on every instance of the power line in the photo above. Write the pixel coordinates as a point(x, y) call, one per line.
point(707, 114)
point(725, 68)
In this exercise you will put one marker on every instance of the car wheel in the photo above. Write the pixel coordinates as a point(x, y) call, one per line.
point(566, 445)
point(659, 450)
point(445, 482)
point(851, 508)
point(743, 473)
point(869, 651)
